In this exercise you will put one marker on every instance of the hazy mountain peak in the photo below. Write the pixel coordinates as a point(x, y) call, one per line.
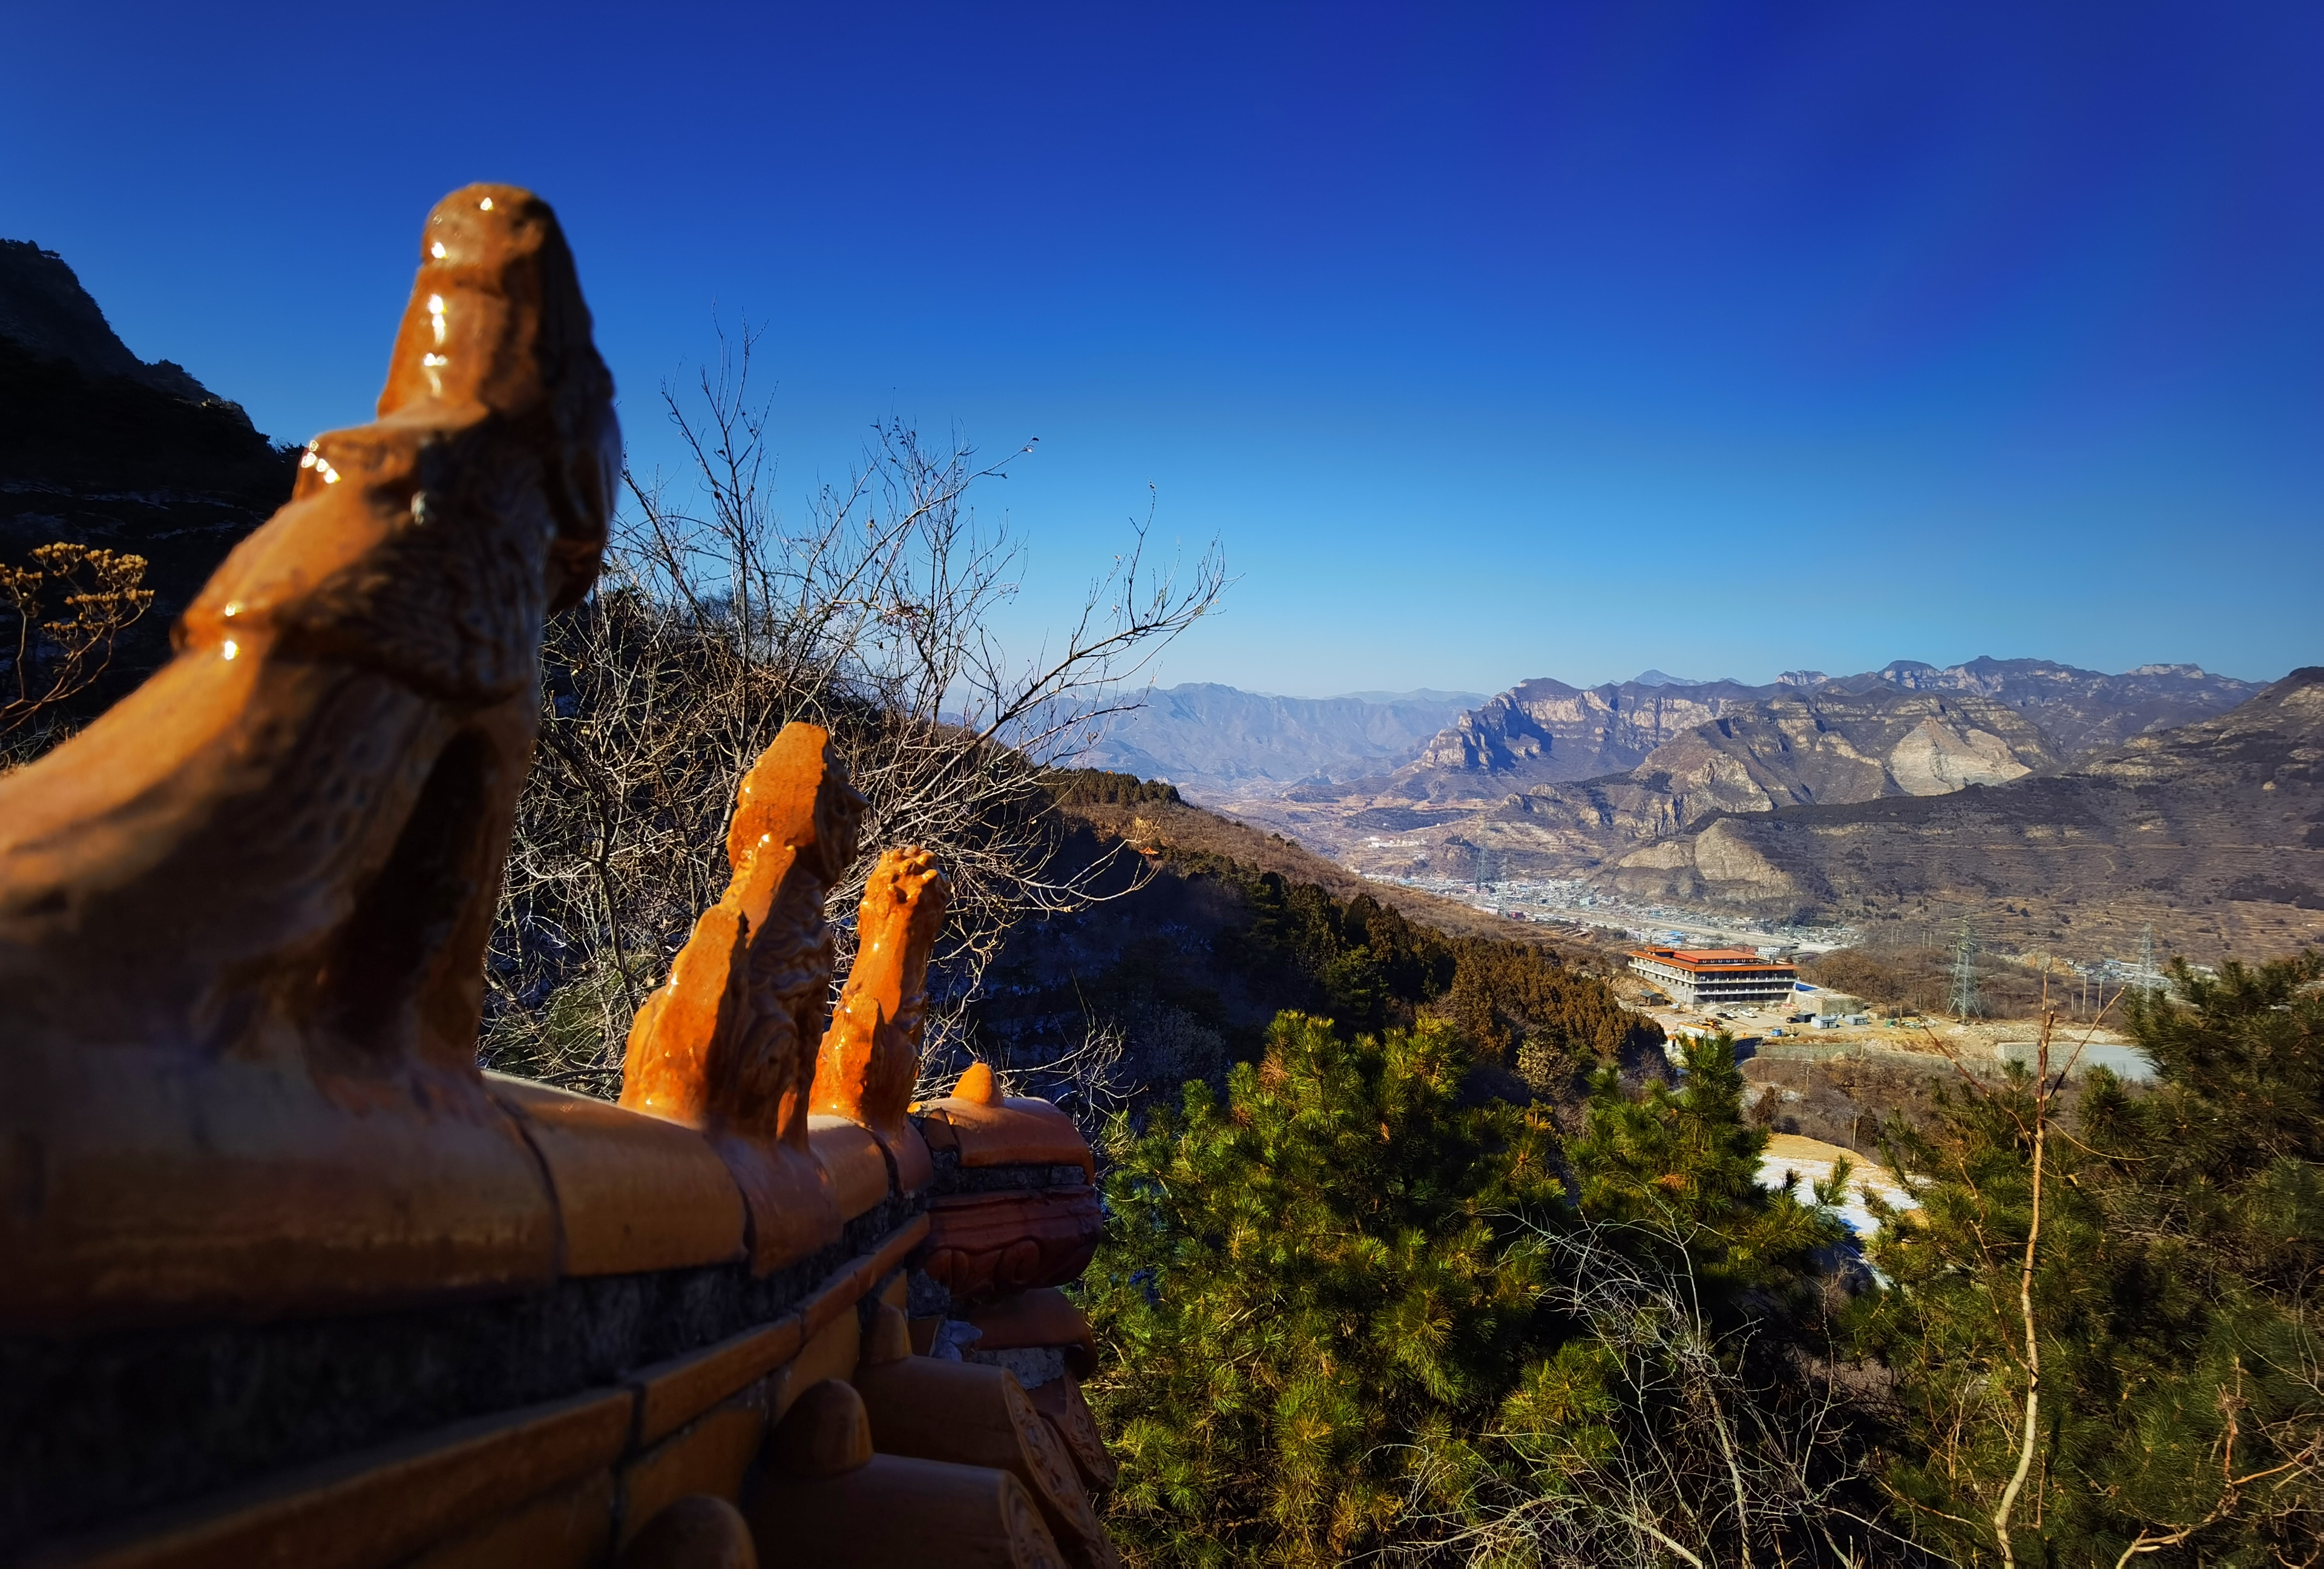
point(1417, 695)
point(1217, 741)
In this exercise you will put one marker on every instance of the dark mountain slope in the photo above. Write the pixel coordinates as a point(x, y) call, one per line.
point(1215, 927)
point(97, 448)
point(45, 309)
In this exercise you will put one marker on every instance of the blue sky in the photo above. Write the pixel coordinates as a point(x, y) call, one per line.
point(1491, 341)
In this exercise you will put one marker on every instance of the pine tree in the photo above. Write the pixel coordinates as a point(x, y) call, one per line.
point(1681, 1168)
point(2179, 1417)
point(1316, 1295)
point(1352, 1309)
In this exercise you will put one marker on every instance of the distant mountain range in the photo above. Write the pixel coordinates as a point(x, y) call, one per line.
point(1544, 731)
point(1618, 783)
point(2213, 831)
point(2081, 710)
point(1221, 744)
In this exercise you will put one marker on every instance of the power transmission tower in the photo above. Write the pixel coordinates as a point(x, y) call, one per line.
point(1965, 1003)
point(2148, 982)
point(1481, 867)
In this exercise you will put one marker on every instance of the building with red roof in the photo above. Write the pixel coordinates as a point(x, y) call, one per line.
point(1716, 977)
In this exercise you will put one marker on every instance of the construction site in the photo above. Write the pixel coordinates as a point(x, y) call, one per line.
point(1827, 1065)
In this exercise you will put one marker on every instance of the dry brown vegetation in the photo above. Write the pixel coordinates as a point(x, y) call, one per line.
point(718, 621)
point(61, 616)
point(1920, 978)
point(1174, 826)
point(1839, 1100)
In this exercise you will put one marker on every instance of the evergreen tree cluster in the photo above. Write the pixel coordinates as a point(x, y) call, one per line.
point(1355, 1311)
point(2178, 1415)
point(1351, 1310)
point(1365, 966)
point(1103, 787)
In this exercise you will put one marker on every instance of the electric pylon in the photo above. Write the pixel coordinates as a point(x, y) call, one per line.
point(1965, 1003)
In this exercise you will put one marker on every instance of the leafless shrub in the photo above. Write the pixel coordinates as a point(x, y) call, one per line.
point(1088, 1082)
point(61, 619)
point(717, 622)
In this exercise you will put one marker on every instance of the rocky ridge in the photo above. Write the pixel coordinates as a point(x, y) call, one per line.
point(2212, 831)
point(2082, 711)
point(1552, 781)
point(45, 309)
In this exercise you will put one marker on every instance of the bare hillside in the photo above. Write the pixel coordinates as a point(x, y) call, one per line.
point(1793, 749)
point(2213, 831)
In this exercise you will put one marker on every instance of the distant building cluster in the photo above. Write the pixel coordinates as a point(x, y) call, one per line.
point(1715, 977)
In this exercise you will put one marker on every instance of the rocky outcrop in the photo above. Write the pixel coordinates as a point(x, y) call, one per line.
point(1755, 755)
point(2083, 711)
point(2214, 831)
point(1790, 752)
point(1545, 732)
point(1551, 780)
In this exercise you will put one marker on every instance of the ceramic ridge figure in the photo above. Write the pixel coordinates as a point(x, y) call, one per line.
point(243, 916)
point(726, 1043)
point(871, 1057)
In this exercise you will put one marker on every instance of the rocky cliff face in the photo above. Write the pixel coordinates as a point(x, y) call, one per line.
point(1827, 746)
point(1498, 788)
point(1798, 748)
point(1544, 731)
point(2213, 831)
point(2082, 711)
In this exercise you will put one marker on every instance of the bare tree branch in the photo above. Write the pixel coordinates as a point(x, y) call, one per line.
point(717, 622)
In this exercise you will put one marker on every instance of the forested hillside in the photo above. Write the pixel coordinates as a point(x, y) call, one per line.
point(1354, 1310)
point(1208, 930)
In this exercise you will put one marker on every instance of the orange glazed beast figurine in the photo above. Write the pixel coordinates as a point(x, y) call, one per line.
point(243, 916)
point(727, 1043)
point(871, 1057)
point(286, 1279)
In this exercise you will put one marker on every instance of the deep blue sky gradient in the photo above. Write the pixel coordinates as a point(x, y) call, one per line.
point(1493, 341)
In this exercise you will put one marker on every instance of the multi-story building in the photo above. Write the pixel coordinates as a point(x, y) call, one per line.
point(1715, 977)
